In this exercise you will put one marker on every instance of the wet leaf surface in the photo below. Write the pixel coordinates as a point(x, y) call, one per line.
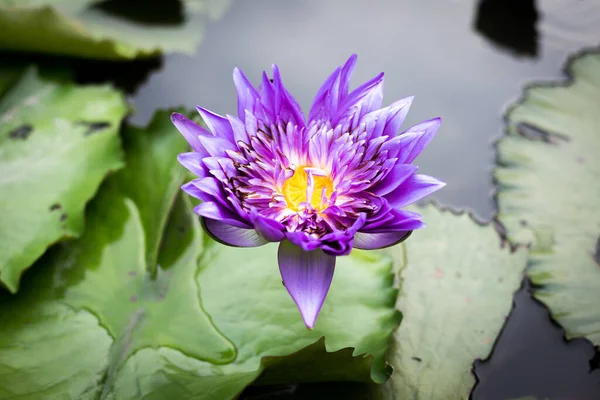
point(549, 193)
point(49, 166)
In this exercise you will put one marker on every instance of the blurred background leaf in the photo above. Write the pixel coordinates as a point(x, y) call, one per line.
point(107, 29)
point(549, 194)
point(57, 143)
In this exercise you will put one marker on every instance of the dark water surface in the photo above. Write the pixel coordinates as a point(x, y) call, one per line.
point(465, 61)
point(429, 49)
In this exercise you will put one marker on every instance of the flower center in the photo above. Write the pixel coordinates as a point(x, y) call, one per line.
point(295, 189)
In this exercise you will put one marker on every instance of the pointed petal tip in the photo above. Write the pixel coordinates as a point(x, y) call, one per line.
point(179, 120)
point(202, 111)
point(436, 182)
point(309, 322)
point(351, 61)
point(378, 78)
point(307, 276)
point(433, 123)
point(309, 316)
point(240, 80)
point(175, 117)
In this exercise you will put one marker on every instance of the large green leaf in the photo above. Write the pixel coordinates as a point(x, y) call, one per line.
point(81, 28)
point(456, 292)
point(57, 142)
point(192, 320)
point(152, 176)
point(550, 193)
point(9, 74)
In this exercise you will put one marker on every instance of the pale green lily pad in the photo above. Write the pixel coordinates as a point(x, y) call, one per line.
point(550, 192)
point(77, 28)
point(203, 323)
point(456, 292)
point(57, 143)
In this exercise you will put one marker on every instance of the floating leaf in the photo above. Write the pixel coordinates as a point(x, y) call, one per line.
point(456, 292)
point(8, 75)
point(152, 176)
point(203, 322)
point(84, 28)
point(549, 192)
point(57, 143)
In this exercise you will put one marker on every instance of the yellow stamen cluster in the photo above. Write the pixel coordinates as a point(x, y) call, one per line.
point(294, 189)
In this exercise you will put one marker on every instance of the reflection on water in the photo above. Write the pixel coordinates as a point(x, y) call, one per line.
point(511, 24)
point(154, 12)
point(456, 72)
point(570, 24)
point(562, 373)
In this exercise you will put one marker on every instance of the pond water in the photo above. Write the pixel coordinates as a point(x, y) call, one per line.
point(466, 62)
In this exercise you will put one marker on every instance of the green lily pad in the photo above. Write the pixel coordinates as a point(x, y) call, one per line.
point(549, 192)
point(57, 143)
point(81, 28)
point(153, 150)
point(203, 322)
point(8, 76)
point(456, 292)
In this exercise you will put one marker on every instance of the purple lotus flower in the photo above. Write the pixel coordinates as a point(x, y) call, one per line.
point(320, 186)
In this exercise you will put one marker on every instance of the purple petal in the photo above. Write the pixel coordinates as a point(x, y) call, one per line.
point(357, 96)
point(214, 210)
point(217, 124)
point(268, 97)
point(345, 76)
point(303, 240)
point(291, 110)
point(373, 241)
point(321, 106)
point(220, 167)
point(239, 129)
point(232, 235)
point(267, 228)
point(193, 191)
point(415, 139)
point(333, 91)
point(396, 114)
point(247, 94)
point(398, 175)
point(413, 189)
point(216, 146)
point(190, 131)
point(393, 220)
point(207, 189)
point(307, 276)
point(193, 162)
point(340, 243)
point(337, 243)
